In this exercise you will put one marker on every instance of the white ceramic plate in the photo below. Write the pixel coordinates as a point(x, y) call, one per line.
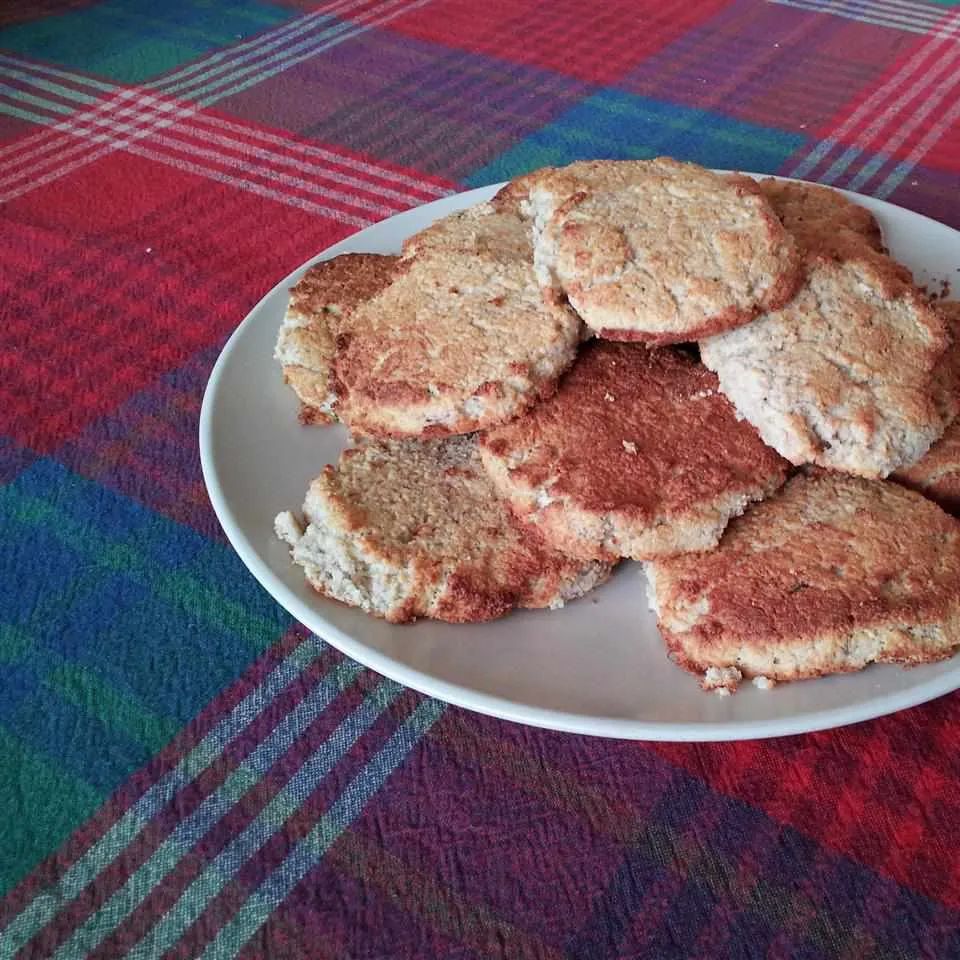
point(596, 667)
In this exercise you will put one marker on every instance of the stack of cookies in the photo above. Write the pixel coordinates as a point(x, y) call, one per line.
point(645, 360)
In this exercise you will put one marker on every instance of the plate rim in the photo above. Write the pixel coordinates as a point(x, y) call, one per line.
point(491, 704)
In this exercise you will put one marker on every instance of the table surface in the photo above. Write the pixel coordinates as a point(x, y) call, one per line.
point(184, 771)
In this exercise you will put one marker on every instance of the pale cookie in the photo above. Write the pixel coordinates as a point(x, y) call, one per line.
point(403, 529)
point(658, 250)
point(844, 375)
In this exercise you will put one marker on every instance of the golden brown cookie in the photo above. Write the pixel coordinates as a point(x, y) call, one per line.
point(937, 473)
point(637, 455)
point(820, 218)
point(322, 300)
point(830, 574)
point(460, 340)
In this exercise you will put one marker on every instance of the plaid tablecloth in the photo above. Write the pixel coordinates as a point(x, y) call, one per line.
point(184, 772)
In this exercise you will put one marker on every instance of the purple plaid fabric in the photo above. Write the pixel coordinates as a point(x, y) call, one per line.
point(186, 772)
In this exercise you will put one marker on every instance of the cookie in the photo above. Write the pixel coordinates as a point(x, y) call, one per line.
point(658, 250)
point(844, 375)
point(828, 575)
point(322, 300)
point(461, 339)
point(404, 529)
point(638, 454)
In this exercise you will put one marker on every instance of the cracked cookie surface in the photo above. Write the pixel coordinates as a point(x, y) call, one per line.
point(828, 575)
point(657, 250)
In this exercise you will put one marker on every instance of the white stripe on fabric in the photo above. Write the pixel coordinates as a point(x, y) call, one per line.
point(79, 123)
point(75, 78)
point(158, 104)
point(931, 100)
point(921, 11)
point(873, 103)
point(283, 61)
point(245, 845)
point(292, 146)
point(41, 910)
point(403, 200)
point(902, 169)
point(868, 139)
point(311, 849)
point(873, 19)
point(231, 71)
point(218, 176)
point(267, 40)
point(255, 74)
point(196, 825)
point(326, 154)
point(174, 143)
point(128, 136)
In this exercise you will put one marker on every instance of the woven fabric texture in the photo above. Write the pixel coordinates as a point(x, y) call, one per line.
point(184, 771)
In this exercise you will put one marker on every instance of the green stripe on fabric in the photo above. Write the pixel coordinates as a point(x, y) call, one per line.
point(334, 34)
point(45, 905)
point(58, 801)
point(49, 607)
point(255, 17)
point(82, 687)
point(86, 690)
point(198, 599)
point(132, 40)
point(14, 643)
point(669, 116)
